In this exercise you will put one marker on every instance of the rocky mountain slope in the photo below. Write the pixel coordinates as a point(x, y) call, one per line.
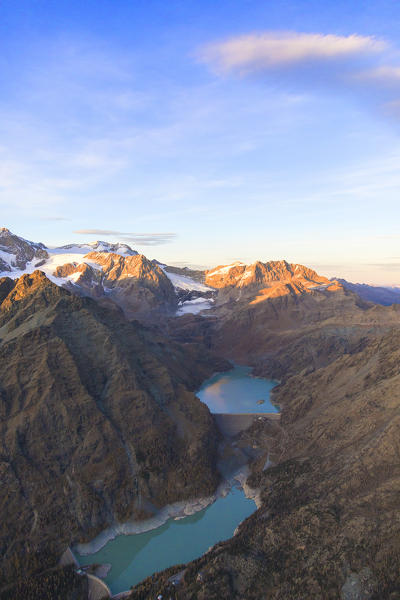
point(303, 331)
point(97, 419)
point(298, 322)
point(281, 317)
point(329, 524)
point(134, 283)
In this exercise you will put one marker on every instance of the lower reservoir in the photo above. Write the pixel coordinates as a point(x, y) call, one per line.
point(237, 392)
point(135, 557)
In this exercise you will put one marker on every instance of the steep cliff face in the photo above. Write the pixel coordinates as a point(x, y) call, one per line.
point(97, 419)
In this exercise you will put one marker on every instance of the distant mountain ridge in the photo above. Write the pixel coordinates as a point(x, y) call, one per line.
point(241, 275)
point(148, 290)
point(377, 294)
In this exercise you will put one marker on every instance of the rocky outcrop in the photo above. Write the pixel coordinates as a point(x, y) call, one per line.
point(16, 253)
point(98, 421)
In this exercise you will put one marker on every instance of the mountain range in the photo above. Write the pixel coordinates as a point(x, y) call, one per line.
point(101, 351)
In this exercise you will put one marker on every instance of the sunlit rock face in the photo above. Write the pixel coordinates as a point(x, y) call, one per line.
point(274, 278)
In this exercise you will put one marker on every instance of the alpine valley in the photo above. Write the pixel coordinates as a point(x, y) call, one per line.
point(102, 352)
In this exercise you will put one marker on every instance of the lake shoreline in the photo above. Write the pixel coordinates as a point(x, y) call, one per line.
point(176, 511)
point(235, 479)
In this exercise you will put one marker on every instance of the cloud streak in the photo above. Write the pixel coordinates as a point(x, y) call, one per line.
point(261, 51)
point(141, 239)
point(361, 65)
point(55, 219)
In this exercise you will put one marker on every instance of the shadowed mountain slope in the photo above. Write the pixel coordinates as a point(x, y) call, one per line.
point(98, 423)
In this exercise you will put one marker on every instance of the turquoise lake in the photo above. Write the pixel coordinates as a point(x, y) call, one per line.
point(237, 392)
point(135, 557)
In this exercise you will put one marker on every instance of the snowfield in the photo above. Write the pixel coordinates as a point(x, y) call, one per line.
point(75, 254)
point(194, 306)
point(183, 282)
point(57, 258)
point(226, 269)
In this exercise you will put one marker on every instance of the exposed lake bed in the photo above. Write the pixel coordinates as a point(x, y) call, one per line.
point(178, 540)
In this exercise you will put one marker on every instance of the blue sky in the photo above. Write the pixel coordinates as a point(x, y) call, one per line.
point(206, 132)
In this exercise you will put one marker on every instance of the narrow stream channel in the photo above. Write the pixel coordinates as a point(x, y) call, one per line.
point(135, 557)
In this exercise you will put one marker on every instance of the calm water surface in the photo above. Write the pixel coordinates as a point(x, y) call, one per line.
point(135, 557)
point(237, 391)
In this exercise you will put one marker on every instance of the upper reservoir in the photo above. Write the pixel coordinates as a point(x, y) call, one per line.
point(237, 392)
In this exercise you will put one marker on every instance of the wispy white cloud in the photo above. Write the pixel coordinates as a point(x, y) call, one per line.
point(98, 232)
point(259, 51)
point(382, 75)
point(142, 239)
point(365, 66)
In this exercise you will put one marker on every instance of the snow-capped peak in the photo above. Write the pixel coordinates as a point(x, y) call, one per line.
point(225, 268)
point(16, 252)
